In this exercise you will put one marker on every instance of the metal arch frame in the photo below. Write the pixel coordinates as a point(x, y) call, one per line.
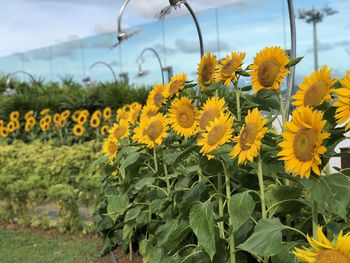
point(292, 54)
point(8, 81)
point(105, 64)
point(121, 34)
point(157, 56)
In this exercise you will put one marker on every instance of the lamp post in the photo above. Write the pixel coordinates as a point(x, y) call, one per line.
point(87, 79)
point(122, 35)
point(140, 59)
point(315, 16)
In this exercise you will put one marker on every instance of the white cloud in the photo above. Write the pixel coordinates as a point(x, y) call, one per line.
point(188, 46)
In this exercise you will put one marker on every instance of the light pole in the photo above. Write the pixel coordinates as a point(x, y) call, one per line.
point(87, 79)
point(315, 16)
point(140, 59)
point(122, 35)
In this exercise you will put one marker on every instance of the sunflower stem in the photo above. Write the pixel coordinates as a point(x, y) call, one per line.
point(155, 160)
point(238, 102)
point(314, 218)
point(262, 189)
point(221, 206)
point(166, 173)
point(231, 235)
point(283, 110)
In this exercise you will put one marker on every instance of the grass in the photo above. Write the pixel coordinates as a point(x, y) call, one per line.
point(28, 247)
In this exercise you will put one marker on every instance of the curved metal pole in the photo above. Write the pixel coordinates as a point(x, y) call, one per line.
point(107, 65)
point(197, 26)
point(157, 56)
point(121, 34)
point(20, 72)
point(292, 53)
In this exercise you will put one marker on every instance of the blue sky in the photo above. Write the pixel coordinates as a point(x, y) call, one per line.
point(245, 26)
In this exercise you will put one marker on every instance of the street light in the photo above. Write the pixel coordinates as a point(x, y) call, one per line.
point(9, 91)
point(140, 59)
point(87, 79)
point(122, 35)
point(315, 16)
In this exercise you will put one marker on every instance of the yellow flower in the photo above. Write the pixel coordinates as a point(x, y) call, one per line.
point(1, 123)
point(14, 115)
point(11, 127)
point(324, 251)
point(28, 115)
point(28, 127)
point(148, 111)
point(3, 132)
point(213, 108)
point(302, 144)
point(134, 113)
point(343, 103)
point(107, 113)
point(315, 89)
point(249, 140)
point(57, 118)
point(177, 83)
point(85, 112)
point(206, 70)
point(104, 129)
point(152, 131)
point(82, 118)
point(97, 114)
point(95, 122)
point(229, 66)
point(17, 125)
point(217, 133)
point(44, 112)
point(183, 117)
point(269, 68)
point(122, 114)
point(31, 122)
point(65, 114)
point(156, 96)
point(120, 130)
point(75, 115)
point(110, 148)
point(78, 130)
point(44, 126)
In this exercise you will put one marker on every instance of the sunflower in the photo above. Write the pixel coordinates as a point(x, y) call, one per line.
point(213, 108)
point(148, 111)
point(156, 96)
point(44, 126)
point(104, 129)
point(134, 113)
point(315, 89)
point(75, 115)
point(82, 118)
point(14, 115)
point(206, 70)
point(324, 251)
point(249, 139)
point(11, 127)
point(177, 83)
point(85, 112)
point(269, 68)
point(302, 145)
point(95, 122)
point(1, 123)
point(97, 114)
point(31, 121)
point(78, 130)
point(343, 104)
point(57, 118)
point(107, 113)
point(122, 114)
point(3, 132)
point(16, 123)
point(217, 133)
point(120, 130)
point(151, 131)
point(44, 112)
point(135, 105)
point(28, 127)
point(65, 114)
point(183, 117)
point(62, 123)
point(229, 66)
point(110, 148)
point(28, 115)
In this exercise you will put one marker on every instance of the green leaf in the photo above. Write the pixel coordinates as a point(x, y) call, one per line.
point(285, 255)
point(225, 149)
point(246, 88)
point(202, 224)
point(132, 214)
point(240, 208)
point(117, 205)
point(293, 62)
point(129, 160)
point(330, 192)
point(266, 239)
point(144, 182)
point(190, 149)
point(243, 73)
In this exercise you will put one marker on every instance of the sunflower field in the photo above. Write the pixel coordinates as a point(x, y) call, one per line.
point(227, 174)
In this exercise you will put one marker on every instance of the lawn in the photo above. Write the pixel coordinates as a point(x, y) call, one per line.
point(24, 246)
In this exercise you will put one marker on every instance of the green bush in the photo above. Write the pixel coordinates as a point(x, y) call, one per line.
point(40, 174)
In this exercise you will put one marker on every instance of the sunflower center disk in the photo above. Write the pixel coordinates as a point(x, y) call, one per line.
point(119, 132)
point(207, 72)
point(315, 94)
point(304, 144)
point(154, 130)
point(158, 99)
point(175, 86)
point(112, 148)
point(268, 71)
point(186, 116)
point(228, 68)
point(151, 113)
point(331, 256)
point(248, 136)
point(208, 116)
point(216, 134)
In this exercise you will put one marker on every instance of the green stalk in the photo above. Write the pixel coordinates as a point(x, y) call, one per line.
point(155, 160)
point(221, 206)
point(282, 109)
point(238, 102)
point(314, 218)
point(231, 235)
point(166, 174)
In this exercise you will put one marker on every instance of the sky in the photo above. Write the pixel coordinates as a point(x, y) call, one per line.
point(227, 25)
